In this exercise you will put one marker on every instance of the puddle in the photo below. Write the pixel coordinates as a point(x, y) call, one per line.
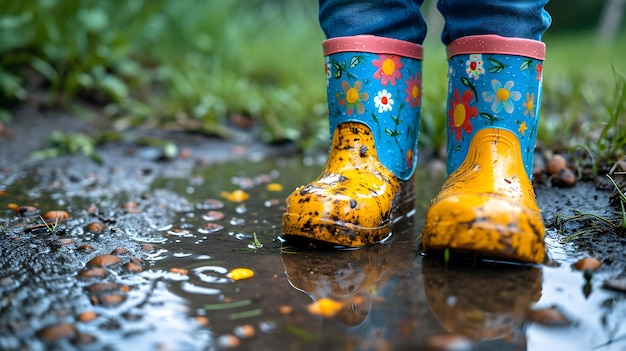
point(171, 289)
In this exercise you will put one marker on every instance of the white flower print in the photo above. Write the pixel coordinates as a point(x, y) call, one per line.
point(383, 101)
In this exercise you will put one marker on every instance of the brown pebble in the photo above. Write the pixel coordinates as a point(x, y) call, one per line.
point(92, 210)
point(587, 264)
point(57, 331)
point(52, 216)
point(136, 260)
point(179, 271)
point(95, 227)
point(285, 309)
point(245, 331)
point(87, 316)
point(104, 286)
point(94, 272)
point(86, 248)
point(213, 216)
point(555, 164)
point(104, 260)
point(449, 342)
point(212, 204)
point(65, 241)
point(551, 316)
point(228, 341)
point(185, 153)
point(119, 251)
point(132, 267)
point(564, 178)
point(147, 247)
point(112, 299)
point(27, 210)
point(132, 207)
point(84, 338)
point(202, 320)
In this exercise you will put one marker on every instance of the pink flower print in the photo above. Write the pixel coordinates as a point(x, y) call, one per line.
point(383, 101)
point(414, 90)
point(388, 69)
point(460, 113)
point(539, 70)
point(474, 66)
point(352, 97)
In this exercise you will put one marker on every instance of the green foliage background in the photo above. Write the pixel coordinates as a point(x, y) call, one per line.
point(193, 64)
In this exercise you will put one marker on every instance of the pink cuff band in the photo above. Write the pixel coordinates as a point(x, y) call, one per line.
point(495, 44)
point(372, 44)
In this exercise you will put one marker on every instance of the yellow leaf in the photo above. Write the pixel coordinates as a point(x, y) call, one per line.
point(325, 307)
point(240, 273)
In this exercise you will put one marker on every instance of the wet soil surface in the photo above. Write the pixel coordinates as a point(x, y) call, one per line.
point(145, 259)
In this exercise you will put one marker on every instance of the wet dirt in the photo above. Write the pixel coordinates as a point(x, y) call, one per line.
point(153, 273)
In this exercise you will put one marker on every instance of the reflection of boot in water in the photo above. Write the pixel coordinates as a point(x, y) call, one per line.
point(482, 303)
point(347, 276)
point(343, 276)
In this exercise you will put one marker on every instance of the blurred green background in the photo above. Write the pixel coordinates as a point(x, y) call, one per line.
point(201, 65)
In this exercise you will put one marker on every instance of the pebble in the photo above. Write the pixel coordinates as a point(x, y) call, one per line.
point(53, 216)
point(213, 216)
point(615, 284)
point(202, 320)
point(95, 227)
point(87, 316)
point(179, 271)
point(228, 341)
point(65, 241)
point(245, 331)
point(147, 247)
point(551, 317)
point(451, 341)
point(587, 264)
point(57, 331)
point(119, 251)
point(564, 178)
point(104, 260)
point(132, 267)
point(86, 248)
point(27, 211)
point(556, 164)
point(94, 272)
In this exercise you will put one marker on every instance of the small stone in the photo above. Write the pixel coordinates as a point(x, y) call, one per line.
point(95, 227)
point(85, 338)
point(556, 164)
point(450, 341)
point(27, 211)
point(202, 320)
point(104, 260)
point(92, 210)
point(147, 247)
point(551, 317)
point(179, 271)
point(131, 207)
point(87, 316)
point(6, 281)
point(57, 331)
point(112, 299)
point(213, 216)
point(65, 241)
point(228, 341)
point(94, 272)
point(564, 178)
point(119, 251)
point(86, 248)
point(587, 264)
point(104, 287)
point(136, 260)
point(132, 267)
point(245, 331)
point(285, 309)
point(53, 216)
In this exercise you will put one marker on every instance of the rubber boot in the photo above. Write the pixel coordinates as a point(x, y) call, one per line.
point(374, 101)
point(487, 204)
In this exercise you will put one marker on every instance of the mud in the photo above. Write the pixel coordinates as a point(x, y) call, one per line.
point(170, 290)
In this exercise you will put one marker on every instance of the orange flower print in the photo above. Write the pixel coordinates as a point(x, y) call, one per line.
point(460, 113)
point(388, 69)
point(414, 90)
point(352, 97)
point(409, 159)
point(529, 105)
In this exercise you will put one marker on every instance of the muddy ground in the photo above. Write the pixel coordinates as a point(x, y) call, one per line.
point(126, 162)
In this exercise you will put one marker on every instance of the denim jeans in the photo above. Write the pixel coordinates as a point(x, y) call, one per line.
point(402, 19)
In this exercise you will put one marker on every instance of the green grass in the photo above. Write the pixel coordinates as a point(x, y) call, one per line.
point(192, 64)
